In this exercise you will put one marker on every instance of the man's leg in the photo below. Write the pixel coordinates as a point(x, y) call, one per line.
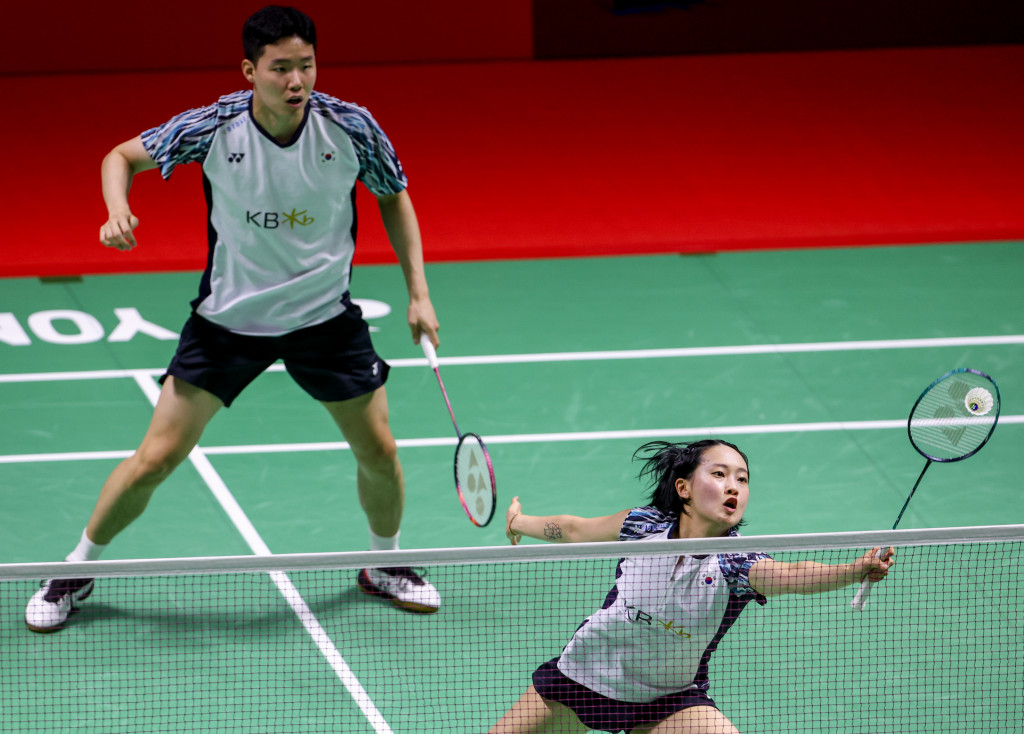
point(181, 414)
point(364, 424)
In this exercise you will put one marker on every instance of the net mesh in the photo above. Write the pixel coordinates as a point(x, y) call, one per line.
point(197, 645)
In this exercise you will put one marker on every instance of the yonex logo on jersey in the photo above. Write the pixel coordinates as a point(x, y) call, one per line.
point(273, 220)
point(235, 157)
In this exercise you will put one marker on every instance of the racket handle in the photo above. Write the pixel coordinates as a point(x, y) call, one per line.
point(861, 597)
point(428, 350)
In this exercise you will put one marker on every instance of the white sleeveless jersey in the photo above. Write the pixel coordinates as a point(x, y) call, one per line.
point(661, 621)
point(281, 218)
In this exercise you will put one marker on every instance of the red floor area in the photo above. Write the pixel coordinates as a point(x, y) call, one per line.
point(535, 159)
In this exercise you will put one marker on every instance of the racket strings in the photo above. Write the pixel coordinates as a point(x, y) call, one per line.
point(474, 479)
point(954, 417)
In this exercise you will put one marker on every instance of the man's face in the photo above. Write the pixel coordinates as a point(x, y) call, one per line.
point(282, 79)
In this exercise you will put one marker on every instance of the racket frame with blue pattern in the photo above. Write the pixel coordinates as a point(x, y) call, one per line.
point(949, 415)
point(474, 472)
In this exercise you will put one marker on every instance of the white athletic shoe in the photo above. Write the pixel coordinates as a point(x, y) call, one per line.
point(404, 587)
point(49, 608)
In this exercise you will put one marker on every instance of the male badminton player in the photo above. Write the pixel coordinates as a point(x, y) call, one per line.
point(640, 663)
point(280, 163)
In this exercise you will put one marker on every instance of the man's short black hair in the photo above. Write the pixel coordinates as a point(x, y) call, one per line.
point(273, 23)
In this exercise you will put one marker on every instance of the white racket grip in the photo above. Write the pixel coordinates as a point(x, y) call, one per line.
point(428, 350)
point(861, 597)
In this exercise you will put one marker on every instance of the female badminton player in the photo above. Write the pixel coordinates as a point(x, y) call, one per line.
point(640, 663)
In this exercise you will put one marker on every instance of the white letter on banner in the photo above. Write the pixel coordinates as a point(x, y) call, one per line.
point(11, 331)
point(130, 323)
point(89, 329)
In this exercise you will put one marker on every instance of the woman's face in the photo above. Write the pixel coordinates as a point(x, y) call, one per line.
point(718, 490)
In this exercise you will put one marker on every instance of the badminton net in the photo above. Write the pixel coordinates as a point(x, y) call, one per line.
point(289, 643)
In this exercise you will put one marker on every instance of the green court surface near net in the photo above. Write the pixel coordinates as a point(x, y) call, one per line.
point(809, 360)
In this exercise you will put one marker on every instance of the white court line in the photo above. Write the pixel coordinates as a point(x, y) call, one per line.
point(725, 351)
point(65, 456)
point(647, 433)
point(281, 580)
point(82, 375)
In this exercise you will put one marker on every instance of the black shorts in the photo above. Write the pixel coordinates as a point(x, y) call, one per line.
point(331, 361)
point(607, 714)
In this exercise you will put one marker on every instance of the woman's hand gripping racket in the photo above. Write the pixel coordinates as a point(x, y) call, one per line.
point(952, 420)
point(474, 474)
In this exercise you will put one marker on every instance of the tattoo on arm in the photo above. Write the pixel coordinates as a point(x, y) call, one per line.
point(552, 531)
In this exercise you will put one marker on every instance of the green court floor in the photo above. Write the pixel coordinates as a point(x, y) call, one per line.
point(809, 360)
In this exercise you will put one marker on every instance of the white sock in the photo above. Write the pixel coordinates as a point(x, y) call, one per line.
point(86, 550)
point(382, 543)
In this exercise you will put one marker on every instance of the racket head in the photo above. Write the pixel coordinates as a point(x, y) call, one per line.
point(474, 479)
point(955, 415)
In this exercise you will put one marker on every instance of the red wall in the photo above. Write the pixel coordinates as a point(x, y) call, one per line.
point(526, 159)
point(123, 35)
point(590, 28)
point(129, 35)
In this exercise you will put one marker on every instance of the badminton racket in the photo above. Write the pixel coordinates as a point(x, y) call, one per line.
point(474, 473)
point(951, 420)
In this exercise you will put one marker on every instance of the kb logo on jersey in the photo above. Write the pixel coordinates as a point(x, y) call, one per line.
point(273, 220)
point(639, 616)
